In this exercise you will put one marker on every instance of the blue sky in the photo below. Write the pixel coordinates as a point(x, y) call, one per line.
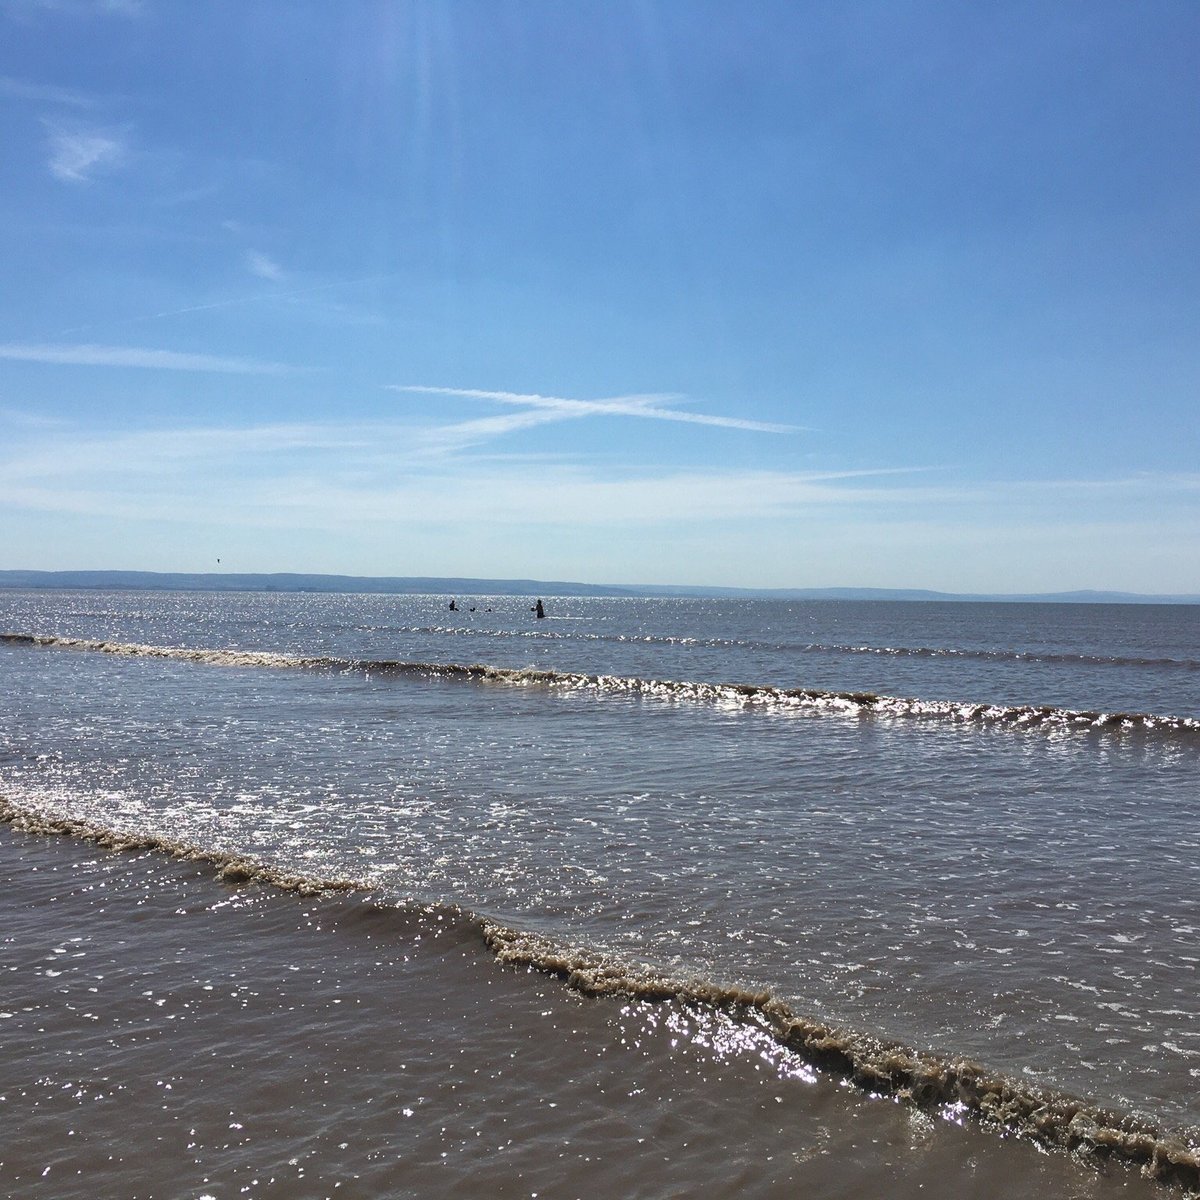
point(798, 294)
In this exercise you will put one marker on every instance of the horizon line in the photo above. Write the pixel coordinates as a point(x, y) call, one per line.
point(15, 578)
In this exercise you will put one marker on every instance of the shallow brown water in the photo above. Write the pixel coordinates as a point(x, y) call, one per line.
point(169, 1035)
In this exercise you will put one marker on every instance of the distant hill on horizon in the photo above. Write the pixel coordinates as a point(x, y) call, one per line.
point(450, 586)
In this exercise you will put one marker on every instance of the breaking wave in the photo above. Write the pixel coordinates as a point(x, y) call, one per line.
point(950, 1087)
point(741, 695)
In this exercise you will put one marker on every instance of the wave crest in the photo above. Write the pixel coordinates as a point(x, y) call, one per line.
point(945, 1086)
point(743, 695)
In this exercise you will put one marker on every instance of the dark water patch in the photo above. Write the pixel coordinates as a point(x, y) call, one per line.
point(1003, 656)
point(944, 1086)
point(972, 654)
point(554, 635)
point(740, 695)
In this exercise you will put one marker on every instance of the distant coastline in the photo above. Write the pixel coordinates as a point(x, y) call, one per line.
point(165, 581)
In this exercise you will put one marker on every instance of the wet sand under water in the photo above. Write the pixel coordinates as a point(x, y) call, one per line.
point(167, 1034)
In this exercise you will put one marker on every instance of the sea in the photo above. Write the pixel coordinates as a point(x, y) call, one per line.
point(318, 895)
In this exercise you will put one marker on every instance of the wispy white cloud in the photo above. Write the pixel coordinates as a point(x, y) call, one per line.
point(1172, 480)
point(21, 419)
point(264, 267)
point(77, 154)
point(135, 356)
point(443, 439)
point(76, 8)
point(351, 474)
point(561, 408)
point(230, 302)
point(331, 489)
point(314, 475)
point(41, 93)
point(342, 476)
point(177, 453)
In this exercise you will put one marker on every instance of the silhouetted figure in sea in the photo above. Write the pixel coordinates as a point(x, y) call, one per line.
point(537, 608)
point(454, 606)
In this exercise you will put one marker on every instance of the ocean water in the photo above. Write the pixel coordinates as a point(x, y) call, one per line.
point(649, 898)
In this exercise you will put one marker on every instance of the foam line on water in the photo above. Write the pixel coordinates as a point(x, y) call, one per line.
point(741, 695)
point(949, 1087)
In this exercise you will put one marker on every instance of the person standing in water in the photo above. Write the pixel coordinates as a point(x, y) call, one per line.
point(539, 610)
